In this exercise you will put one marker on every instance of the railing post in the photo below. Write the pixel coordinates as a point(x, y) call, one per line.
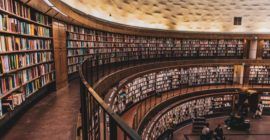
point(96, 69)
point(91, 73)
point(104, 124)
point(113, 129)
point(84, 112)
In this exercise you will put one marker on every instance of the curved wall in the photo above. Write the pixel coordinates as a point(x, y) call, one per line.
point(192, 15)
point(93, 22)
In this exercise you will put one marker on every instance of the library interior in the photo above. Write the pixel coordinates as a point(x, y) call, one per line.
point(134, 70)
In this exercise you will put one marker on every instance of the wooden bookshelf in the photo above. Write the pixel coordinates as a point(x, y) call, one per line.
point(187, 111)
point(26, 56)
point(83, 42)
point(266, 49)
point(265, 99)
point(165, 80)
point(259, 74)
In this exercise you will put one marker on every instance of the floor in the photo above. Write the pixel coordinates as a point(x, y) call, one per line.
point(260, 130)
point(52, 118)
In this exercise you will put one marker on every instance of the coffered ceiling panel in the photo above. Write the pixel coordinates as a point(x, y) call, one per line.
point(182, 15)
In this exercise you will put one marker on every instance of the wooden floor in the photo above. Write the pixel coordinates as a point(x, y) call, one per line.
point(52, 118)
point(260, 130)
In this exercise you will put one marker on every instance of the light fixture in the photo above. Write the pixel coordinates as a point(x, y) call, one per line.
point(48, 3)
point(56, 9)
point(52, 6)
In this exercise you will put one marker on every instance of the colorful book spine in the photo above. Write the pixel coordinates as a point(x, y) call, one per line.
point(11, 43)
point(17, 26)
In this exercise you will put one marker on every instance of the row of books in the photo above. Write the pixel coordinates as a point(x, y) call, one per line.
point(12, 43)
point(165, 80)
point(259, 75)
point(23, 77)
point(86, 41)
point(18, 8)
point(76, 60)
point(129, 55)
point(147, 46)
point(21, 27)
point(39, 83)
point(78, 52)
point(189, 110)
point(15, 61)
point(265, 99)
point(11, 101)
point(112, 47)
point(82, 42)
point(75, 36)
point(82, 34)
point(266, 49)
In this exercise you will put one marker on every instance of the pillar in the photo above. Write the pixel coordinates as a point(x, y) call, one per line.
point(253, 48)
point(238, 77)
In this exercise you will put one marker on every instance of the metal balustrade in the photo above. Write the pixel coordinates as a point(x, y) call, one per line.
point(99, 122)
point(98, 119)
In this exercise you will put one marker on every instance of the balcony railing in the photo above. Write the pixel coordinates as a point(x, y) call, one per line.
point(99, 122)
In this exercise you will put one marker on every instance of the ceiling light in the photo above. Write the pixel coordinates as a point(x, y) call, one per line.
point(52, 6)
point(48, 3)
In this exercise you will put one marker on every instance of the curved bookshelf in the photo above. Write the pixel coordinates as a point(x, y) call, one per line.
point(26, 58)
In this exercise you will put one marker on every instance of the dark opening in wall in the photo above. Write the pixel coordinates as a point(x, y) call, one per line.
point(237, 21)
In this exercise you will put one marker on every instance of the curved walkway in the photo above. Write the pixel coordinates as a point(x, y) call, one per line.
point(53, 118)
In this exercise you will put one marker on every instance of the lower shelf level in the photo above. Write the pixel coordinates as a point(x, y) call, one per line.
point(10, 118)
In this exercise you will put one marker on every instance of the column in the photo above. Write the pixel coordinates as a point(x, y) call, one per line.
point(253, 48)
point(238, 77)
point(60, 53)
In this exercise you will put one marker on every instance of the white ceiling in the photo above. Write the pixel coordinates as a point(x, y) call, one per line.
point(183, 15)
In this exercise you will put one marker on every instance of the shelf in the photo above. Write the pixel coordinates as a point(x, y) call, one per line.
point(4, 115)
point(23, 18)
point(24, 51)
point(24, 35)
point(74, 64)
point(90, 34)
point(17, 88)
point(40, 88)
point(26, 67)
point(79, 55)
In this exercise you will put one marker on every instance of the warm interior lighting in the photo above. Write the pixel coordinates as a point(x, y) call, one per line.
point(52, 6)
point(48, 3)
point(184, 16)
